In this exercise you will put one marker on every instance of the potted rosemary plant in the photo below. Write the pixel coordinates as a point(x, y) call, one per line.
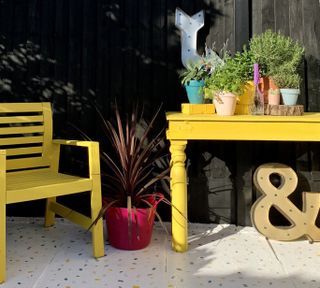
point(275, 52)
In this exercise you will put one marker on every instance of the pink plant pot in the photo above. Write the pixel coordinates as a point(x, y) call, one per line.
point(274, 96)
point(137, 237)
point(121, 236)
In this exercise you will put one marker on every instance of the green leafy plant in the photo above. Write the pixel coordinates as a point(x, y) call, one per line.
point(232, 76)
point(202, 69)
point(194, 71)
point(272, 50)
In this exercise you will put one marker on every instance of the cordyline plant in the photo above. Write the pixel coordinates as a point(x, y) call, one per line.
point(131, 162)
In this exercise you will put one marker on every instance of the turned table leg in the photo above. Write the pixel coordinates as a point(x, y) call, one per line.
point(178, 184)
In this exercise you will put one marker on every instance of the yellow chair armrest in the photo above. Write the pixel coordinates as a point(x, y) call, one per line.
point(93, 150)
point(74, 142)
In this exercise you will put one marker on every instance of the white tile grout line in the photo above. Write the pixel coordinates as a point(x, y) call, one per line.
point(44, 271)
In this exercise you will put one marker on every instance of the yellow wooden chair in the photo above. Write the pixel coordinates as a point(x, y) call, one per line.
point(29, 165)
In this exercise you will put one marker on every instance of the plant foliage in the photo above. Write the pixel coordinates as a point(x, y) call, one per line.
point(132, 161)
point(194, 71)
point(134, 157)
point(286, 79)
point(232, 76)
point(202, 69)
point(272, 50)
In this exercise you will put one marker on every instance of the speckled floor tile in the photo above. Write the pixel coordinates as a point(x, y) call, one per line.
point(219, 256)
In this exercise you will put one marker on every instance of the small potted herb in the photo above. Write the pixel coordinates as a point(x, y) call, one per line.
point(229, 81)
point(194, 75)
point(289, 83)
point(192, 78)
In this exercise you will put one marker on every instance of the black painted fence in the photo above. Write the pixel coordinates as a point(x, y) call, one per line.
point(78, 52)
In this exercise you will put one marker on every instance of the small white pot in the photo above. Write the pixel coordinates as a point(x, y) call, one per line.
point(225, 103)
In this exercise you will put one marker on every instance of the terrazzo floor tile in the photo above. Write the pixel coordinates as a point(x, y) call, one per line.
point(301, 261)
point(219, 256)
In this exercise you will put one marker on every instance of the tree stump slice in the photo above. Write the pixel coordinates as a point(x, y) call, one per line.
point(283, 110)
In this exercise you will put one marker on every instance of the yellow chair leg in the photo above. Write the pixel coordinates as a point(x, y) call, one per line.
point(97, 230)
point(2, 242)
point(49, 215)
point(97, 239)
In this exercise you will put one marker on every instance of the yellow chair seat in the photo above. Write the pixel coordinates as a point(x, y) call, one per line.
point(33, 185)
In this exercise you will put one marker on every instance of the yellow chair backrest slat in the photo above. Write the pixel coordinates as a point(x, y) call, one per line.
point(21, 140)
point(24, 151)
point(21, 107)
point(21, 130)
point(27, 163)
point(21, 119)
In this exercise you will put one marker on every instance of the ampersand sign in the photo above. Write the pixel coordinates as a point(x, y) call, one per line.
point(303, 223)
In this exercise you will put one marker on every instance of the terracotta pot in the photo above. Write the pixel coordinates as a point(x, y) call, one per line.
point(225, 103)
point(265, 84)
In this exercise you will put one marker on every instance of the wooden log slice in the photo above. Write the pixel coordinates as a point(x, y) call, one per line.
point(283, 110)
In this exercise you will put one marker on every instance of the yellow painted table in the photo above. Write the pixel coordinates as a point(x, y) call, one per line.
point(183, 127)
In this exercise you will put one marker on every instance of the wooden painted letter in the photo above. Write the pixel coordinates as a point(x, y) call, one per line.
point(302, 222)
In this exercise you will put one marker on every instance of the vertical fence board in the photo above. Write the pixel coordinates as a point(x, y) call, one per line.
point(20, 27)
point(230, 26)
point(46, 36)
point(144, 48)
point(159, 91)
point(33, 21)
point(256, 19)
point(129, 36)
point(267, 15)
point(115, 55)
point(242, 23)
point(105, 14)
point(311, 38)
point(215, 35)
point(311, 41)
point(88, 63)
point(295, 24)
point(61, 43)
point(175, 90)
point(281, 9)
